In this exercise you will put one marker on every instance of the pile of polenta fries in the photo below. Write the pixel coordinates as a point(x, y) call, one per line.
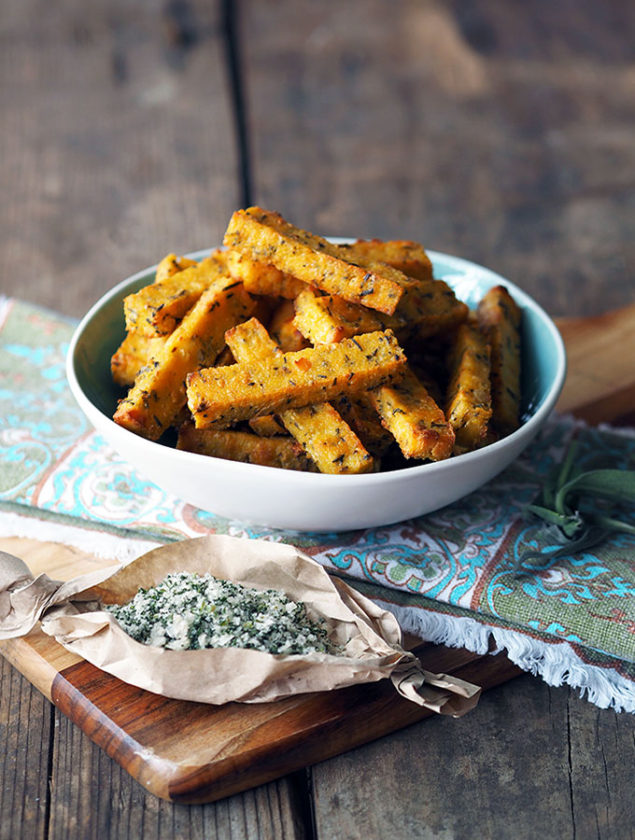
point(286, 350)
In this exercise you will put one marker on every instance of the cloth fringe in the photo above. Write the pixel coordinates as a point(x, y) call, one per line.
point(108, 546)
point(556, 663)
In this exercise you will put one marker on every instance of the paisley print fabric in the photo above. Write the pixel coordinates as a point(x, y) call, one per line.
point(460, 560)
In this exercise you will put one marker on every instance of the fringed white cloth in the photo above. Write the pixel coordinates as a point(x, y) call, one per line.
point(556, 663)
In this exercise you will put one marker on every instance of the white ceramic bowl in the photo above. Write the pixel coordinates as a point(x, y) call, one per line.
point(306, 501)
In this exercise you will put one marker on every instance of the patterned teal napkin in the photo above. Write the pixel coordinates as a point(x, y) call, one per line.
point(448, 575)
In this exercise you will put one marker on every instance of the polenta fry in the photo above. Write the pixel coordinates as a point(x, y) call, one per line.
point(414, 419)
point(327, 319)
point(268, 238)
point(468, 402)
point(222, 396)
point(244, 446)
point(427, 309)
point(500, 318)
point(322, 432)
point(262, 279)
point(171, 265)
point(158, 393)
point(134, 352)
point(408, 257)
point(158, 309)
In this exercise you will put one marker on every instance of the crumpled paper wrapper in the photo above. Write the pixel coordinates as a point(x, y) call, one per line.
point(72, 613)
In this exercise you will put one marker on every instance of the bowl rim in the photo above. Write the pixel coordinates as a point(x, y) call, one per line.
point(527, 429)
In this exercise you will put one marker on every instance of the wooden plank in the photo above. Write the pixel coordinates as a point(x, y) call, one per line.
point(95, 797)
point(119, 143)
point(25, 745)
point(530, 761)
point(600, 383)
point(467, 126)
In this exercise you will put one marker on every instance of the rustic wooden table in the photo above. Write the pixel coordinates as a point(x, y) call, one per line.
point(501, 132)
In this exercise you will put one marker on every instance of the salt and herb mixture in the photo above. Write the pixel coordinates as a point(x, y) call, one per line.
point(187, 611)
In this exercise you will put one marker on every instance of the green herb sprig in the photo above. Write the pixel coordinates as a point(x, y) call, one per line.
point(580, 509)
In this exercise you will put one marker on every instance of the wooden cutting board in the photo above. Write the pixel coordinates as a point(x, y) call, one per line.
point(192, 752)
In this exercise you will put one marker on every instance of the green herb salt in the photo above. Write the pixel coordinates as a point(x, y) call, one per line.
point(187, 611)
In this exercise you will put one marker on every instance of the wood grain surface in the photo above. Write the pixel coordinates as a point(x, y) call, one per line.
point(120, 138)
point(600, 382)
point(193, 752)
point(500, 132)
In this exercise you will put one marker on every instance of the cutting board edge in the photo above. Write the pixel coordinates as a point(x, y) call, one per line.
point(216, 779)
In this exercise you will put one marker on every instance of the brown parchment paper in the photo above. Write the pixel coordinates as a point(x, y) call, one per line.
point(72, 613)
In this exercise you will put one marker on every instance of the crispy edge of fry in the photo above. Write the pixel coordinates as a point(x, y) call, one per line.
point(267, 237)
point(158, 393)
point(267, 426)
point(158, 308)
point(360, 414)
point(414, 419)
point(500, 319)
point(134, 352)
point(427, 309)
point(232, 445)
point(322, 432)
point(468, 399)
point(222, 396)
point(283, 328)
point(328, 439)
point(172, 264)
point(262, 279)
point(327, 319)
point(404, 255)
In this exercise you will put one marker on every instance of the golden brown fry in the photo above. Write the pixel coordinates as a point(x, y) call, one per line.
point(266, 237)
point(222, 396)
point(244, 446)
point(468, 401)
point(324, 435)
point(283, 329)
point(424, 310)
point(267, 426)
point(158, 309)
point(170, 265)
point(414, 419)
point(133, 353)
point(328, 319)
point(360, 414)
point(328, 439)
point(500, 319)
point(409, 257)
point(250, 342)
point(158, 394)
point(262, 279)
point(429, 308)
point(225, 357)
